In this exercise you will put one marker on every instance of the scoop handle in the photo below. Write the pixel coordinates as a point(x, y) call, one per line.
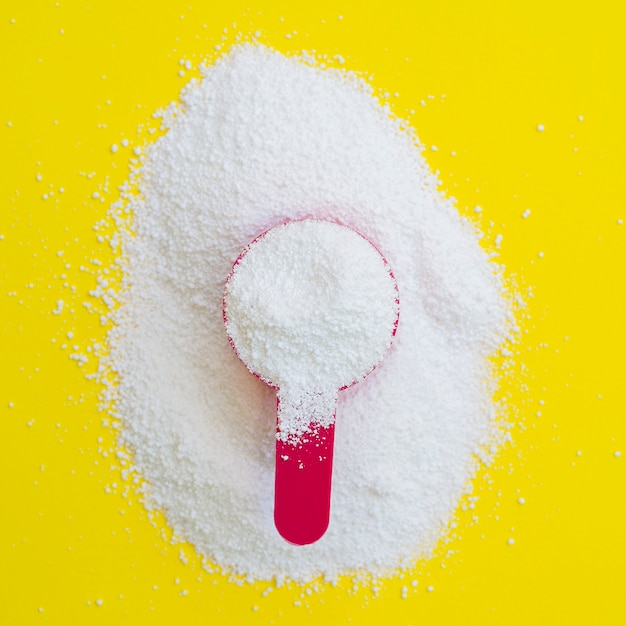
point(303, 478)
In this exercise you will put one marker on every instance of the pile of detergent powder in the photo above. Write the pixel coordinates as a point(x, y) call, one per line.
point(264, 139)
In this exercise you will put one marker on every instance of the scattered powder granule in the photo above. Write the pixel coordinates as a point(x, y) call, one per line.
point(260, 140)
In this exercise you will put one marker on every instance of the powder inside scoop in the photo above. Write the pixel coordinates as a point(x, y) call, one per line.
point(311, 305)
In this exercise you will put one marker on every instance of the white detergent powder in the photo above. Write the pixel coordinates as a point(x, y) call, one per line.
point(311, 308)
point(261, 140)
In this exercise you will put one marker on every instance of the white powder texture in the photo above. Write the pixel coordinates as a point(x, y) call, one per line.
point(311, 305)
point(261, 140)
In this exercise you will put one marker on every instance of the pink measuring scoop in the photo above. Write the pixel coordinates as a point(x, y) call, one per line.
point(303, 464)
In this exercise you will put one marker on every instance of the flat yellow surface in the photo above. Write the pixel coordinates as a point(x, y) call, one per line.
point(475, 79)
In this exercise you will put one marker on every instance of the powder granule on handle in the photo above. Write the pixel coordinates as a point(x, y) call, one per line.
point(260, 140)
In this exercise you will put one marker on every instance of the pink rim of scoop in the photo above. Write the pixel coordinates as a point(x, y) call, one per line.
point(303, 470)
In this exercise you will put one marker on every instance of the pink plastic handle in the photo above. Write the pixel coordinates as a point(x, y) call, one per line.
point(303, 485)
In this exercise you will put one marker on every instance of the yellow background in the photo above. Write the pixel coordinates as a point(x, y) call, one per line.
point(79, 76)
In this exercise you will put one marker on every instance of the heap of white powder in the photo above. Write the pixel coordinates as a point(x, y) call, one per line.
point(265, 139)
